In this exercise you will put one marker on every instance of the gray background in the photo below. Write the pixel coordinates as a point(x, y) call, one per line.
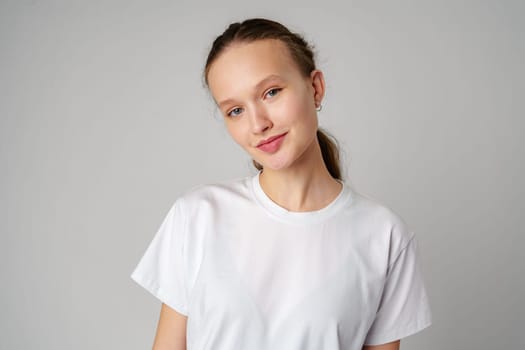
point(104, 122)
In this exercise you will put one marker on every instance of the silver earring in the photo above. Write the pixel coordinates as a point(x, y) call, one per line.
point(318, 109)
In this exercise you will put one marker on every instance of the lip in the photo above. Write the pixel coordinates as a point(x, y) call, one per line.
point(270, 139)
point(272, 144)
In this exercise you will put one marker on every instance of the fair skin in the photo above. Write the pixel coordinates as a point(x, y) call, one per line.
point(171, 330)
point(261, 93)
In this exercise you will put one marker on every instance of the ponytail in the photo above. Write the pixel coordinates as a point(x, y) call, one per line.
point(330, 151)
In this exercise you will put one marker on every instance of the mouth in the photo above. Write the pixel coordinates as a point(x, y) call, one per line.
point(272, 144)
point(270, 139)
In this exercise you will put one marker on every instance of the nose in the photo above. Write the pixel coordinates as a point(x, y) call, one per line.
point(260, 122)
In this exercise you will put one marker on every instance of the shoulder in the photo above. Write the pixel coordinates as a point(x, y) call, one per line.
point(214, 194)
point(382, 221)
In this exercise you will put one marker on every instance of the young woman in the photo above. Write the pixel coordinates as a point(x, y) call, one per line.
point(291, 258)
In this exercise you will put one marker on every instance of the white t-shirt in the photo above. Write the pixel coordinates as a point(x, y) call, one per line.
point(250, 274)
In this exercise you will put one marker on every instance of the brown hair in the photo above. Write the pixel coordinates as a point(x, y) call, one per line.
point(257, 29)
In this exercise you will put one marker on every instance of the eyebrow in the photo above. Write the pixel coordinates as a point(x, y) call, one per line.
point(269, 78)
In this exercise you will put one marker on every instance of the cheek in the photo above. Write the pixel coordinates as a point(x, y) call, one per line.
point(299, 112)
point(298, 107)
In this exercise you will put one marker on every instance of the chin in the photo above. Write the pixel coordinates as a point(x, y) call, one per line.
point(275, 163)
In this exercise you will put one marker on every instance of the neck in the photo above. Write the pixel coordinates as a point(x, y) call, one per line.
point(305, 186)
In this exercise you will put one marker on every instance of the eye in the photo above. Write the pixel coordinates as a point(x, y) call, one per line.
point(273, 92)
point(234, 112)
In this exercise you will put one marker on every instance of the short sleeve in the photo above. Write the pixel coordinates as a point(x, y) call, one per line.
point(161, 270)
point(404, 307)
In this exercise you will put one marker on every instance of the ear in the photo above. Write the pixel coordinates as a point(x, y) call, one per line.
point(318, 85)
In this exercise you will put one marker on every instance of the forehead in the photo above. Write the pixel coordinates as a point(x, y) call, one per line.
point(241, 66)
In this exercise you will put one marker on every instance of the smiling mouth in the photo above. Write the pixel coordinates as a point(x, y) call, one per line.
point(268, 140)
point(273, 144)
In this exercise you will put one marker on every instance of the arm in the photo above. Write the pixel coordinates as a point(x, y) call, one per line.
point(171, 330)
point(390, 346)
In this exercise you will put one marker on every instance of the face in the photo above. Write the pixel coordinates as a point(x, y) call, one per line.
point(263, 97)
